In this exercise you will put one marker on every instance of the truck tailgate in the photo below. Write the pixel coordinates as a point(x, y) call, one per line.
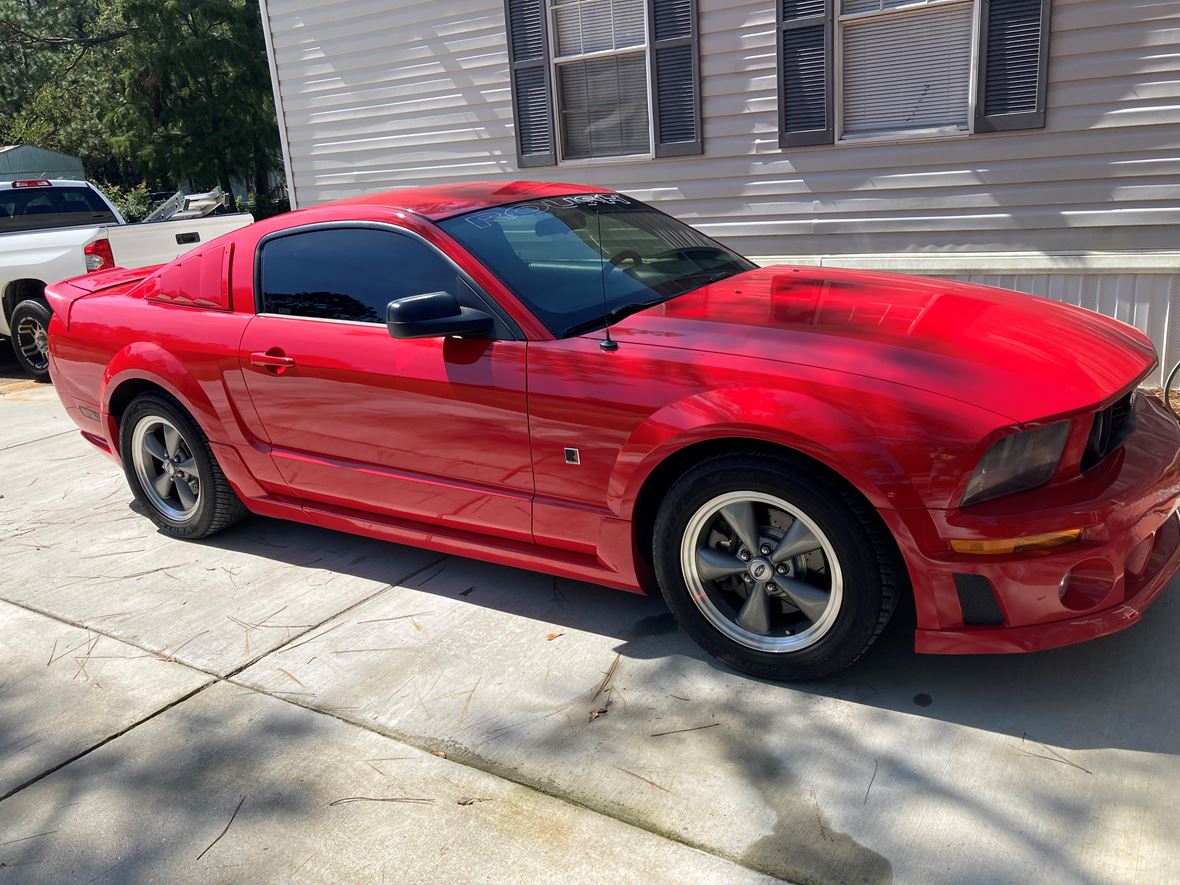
point(137, 245)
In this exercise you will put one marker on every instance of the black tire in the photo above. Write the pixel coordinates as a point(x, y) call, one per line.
point(217, 505)
point(29, 325)
point(872, 572)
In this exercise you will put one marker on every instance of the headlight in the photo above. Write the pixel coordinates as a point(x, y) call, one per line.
point(1017, 463)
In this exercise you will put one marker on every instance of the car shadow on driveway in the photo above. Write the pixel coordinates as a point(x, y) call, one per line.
point(1121, 691)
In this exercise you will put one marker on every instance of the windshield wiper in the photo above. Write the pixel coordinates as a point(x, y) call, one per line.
point(612, 316)
point(624, 310)
point(707, 276)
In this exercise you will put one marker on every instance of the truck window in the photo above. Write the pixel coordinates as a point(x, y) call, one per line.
point(45, 207)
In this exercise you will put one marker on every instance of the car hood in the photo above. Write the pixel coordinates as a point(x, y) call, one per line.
point(1019, 356)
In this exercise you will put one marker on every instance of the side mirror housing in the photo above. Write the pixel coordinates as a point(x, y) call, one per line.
point(435, 315)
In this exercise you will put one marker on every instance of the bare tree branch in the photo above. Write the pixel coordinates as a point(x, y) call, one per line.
point(14, 34)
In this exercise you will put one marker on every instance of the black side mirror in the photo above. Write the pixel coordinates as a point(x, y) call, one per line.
point(434, 315)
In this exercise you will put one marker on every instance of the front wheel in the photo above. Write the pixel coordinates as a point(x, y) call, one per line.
point(777, 572)
point(30, 337)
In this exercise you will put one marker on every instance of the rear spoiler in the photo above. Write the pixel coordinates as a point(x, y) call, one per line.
point(61, 295)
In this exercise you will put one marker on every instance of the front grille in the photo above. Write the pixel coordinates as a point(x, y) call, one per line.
point(1110, 430)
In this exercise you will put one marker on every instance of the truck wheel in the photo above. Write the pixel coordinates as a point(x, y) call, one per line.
point(30, 337)
point(171, 469)
point(772, 569)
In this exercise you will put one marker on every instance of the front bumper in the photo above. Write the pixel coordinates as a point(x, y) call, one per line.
point(1129, 552)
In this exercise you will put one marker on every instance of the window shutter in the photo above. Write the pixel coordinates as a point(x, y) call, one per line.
point(1013, 65)
point(528, 70)
point(675, 77)
point(805, 72)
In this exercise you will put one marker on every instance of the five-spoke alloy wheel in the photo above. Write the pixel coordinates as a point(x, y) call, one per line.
point(761, 571)
point(774, 566)
point(165, 467)
point(172, 471)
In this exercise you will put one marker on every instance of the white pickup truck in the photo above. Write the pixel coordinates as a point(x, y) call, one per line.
point(51, 230)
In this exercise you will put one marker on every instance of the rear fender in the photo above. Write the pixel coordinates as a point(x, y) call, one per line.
point(147, 361)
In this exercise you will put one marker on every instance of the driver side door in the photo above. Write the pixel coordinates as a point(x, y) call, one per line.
point(433, 430)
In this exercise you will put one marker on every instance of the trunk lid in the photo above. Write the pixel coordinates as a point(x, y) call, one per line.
point(62, 295)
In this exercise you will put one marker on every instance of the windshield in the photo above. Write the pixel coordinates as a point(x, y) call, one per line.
point(583, 261)
point(38, 208)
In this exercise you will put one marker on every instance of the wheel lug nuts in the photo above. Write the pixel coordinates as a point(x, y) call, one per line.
point(770, 587)
point(744, 556)
point(781, 569)
point(747, 579)
point(765, 548)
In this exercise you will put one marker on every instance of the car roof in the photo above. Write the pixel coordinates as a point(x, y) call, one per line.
point(53, 182)
point(441, 201)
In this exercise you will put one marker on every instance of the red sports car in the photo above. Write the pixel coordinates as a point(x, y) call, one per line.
point(564, 379)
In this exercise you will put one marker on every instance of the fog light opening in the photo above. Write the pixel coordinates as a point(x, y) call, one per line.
point(1088, 585)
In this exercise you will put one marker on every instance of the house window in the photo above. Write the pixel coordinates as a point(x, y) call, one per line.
point(604, 78)
point(856, 69)
point(905, 67)
point(600, 74)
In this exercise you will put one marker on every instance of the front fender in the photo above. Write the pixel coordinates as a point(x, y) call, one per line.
point(901, 448)
point(832, 437)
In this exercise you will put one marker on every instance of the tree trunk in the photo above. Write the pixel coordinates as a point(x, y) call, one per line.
point(229, 191)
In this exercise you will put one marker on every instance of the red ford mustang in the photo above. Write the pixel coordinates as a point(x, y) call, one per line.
point(564, 379)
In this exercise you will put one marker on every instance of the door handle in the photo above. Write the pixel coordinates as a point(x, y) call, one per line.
point(269, 360)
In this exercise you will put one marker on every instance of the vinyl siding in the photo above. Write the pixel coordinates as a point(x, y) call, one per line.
point(377, 95)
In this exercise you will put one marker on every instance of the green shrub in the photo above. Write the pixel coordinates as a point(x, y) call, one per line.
point(132, 202)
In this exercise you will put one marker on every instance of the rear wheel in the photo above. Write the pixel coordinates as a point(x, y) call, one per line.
point(172, 471)
point(30, 337)
point(772, 569)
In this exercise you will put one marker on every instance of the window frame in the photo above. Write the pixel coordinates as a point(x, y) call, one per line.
point(556, 60)
point(899, 136)
point(493, 307)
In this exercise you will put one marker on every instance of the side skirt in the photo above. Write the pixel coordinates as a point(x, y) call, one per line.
point(533, 557)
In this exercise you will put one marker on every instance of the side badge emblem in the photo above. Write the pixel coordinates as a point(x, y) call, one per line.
point(572, 456)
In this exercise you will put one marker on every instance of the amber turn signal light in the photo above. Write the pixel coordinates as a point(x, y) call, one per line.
point(1016, 545)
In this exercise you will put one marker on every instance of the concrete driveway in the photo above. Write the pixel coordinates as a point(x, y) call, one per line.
point(283, 702)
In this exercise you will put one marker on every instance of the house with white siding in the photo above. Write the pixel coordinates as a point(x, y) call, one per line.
point(1032, 144)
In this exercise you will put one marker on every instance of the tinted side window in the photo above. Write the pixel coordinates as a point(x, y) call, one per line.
point(348, 273)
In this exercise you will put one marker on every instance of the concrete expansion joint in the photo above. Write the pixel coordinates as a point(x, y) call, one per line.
point(453, 754)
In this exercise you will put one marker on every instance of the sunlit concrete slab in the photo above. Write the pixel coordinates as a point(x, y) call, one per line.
point(1059, 767)
point(74, 544)
point(32, 411)
point(235, 786)
point(64, 689)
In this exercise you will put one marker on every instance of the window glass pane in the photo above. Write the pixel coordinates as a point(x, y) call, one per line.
point(910, 71)
point(36, 208)
point(584, 26)
point(603, 105)
point(849, 7)
point(348, 273)
point(573, 259)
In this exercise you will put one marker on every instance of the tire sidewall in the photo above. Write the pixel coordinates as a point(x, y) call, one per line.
point(40, 310)
point(860, 610)
point(149, 405)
